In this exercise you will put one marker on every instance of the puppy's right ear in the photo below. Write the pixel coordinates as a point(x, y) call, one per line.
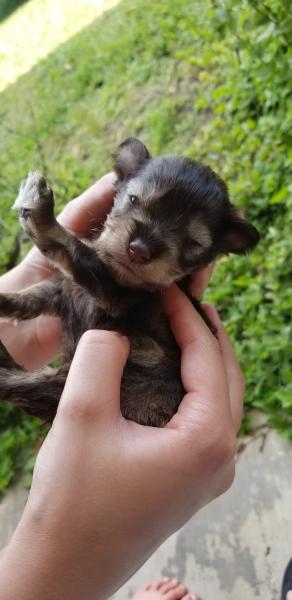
point(130, 156)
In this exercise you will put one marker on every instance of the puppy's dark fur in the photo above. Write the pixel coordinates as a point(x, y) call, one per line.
point(170, 217)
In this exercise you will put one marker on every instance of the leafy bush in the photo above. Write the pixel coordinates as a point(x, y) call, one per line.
point(207, 79)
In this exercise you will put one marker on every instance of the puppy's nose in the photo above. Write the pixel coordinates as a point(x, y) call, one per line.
point(138, 251)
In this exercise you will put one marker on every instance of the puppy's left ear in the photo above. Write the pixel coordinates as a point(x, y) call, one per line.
point(239, 235)
point(130, 156)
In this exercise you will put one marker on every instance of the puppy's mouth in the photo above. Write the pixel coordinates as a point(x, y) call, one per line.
point(129, 271)
point(126, 266)
point(130, 274)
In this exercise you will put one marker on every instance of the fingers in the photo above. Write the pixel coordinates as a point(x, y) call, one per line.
point(92, 388)
point(202, 368)
point(82, 214)
point(186, 323)
point(234, 375)
point(199, 281)
point(31, 270)
point(39, 344)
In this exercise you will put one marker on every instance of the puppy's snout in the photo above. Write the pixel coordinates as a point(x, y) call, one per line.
point(139, 251)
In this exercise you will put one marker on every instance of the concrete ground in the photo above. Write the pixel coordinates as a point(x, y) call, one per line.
point(237, 547)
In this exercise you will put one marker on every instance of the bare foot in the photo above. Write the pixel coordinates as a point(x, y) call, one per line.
point(164, 589)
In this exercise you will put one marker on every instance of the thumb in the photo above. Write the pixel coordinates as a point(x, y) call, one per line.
point(93, 384)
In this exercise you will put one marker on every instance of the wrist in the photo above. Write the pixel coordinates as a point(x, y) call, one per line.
point(50, 558)
point(24, 565)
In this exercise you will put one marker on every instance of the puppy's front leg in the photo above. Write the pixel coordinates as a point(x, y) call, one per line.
point(45, 297)
point(35, 203)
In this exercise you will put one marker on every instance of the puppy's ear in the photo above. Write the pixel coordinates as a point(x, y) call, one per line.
point(130, 156)
point(239, 235)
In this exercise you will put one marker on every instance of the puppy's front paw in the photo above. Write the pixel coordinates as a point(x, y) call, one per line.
point(35, 203)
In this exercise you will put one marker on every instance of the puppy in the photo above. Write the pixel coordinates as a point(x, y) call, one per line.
point(170, 217)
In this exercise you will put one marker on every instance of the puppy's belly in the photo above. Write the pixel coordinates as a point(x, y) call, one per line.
point(151, 392)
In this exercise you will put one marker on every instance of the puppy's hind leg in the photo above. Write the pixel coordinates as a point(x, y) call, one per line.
point(38, 393)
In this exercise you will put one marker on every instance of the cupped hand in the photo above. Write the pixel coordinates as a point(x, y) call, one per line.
point(106, 491)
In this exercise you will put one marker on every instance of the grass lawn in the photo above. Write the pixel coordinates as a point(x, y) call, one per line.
point(207, 79)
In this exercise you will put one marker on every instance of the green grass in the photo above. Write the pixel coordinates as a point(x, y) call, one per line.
point(206, 79)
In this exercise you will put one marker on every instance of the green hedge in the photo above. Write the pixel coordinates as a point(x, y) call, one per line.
point(206, 79)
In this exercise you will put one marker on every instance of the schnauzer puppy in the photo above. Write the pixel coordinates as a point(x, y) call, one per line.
point(170, 217)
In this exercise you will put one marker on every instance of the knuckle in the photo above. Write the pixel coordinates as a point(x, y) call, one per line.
point(228, 478)
point(226, 447)
point(229, 446)
point(77, 408)
point(213, 343)
point(81, 409)
point(220, 447)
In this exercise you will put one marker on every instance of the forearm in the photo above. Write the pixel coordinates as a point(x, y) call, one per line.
point(44, 561)
point(37, 564)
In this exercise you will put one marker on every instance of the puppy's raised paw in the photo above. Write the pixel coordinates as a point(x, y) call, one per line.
point(35, 203)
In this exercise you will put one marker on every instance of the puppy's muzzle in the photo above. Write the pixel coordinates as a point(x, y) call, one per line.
point(139, 251)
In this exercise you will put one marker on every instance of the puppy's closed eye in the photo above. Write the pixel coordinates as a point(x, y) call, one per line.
point(190, 252)
point(194, 244)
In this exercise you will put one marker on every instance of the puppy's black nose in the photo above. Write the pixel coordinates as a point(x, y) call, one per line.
point(138, 251)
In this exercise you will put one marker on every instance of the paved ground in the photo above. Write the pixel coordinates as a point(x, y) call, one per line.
point(236, 548)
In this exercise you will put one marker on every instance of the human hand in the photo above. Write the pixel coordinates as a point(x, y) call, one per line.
point(106, 491)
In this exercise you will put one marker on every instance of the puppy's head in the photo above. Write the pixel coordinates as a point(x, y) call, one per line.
point(170, 217)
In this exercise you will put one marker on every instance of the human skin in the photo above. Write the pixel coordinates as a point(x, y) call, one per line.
point(106, 492)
